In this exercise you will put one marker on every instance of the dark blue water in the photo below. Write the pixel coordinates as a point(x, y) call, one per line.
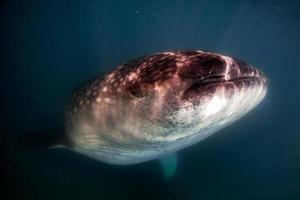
point(49, 47)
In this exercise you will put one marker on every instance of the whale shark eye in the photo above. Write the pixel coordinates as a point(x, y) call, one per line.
point(136, 92)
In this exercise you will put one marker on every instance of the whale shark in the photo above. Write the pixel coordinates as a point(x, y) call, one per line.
point(153, 106)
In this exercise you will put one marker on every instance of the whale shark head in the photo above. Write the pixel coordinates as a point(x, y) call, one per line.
point(161, 103)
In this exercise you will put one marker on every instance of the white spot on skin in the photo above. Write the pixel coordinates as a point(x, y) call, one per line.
point(111, 75)
point(169, 53)
point(104, 89)
point(132, 76)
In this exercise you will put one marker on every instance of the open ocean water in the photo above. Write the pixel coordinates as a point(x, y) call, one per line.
point(50, 47)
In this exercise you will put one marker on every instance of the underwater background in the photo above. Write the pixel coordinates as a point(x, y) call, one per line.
point(50, 47)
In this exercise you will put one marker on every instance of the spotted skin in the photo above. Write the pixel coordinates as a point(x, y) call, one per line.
point(160, 103)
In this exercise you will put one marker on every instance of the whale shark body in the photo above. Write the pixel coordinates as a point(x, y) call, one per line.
point(155, 105)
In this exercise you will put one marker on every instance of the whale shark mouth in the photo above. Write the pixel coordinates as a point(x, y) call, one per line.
point(222, 78)
point(215, 82)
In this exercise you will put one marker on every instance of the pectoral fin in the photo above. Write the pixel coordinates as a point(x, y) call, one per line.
point(169, 165)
